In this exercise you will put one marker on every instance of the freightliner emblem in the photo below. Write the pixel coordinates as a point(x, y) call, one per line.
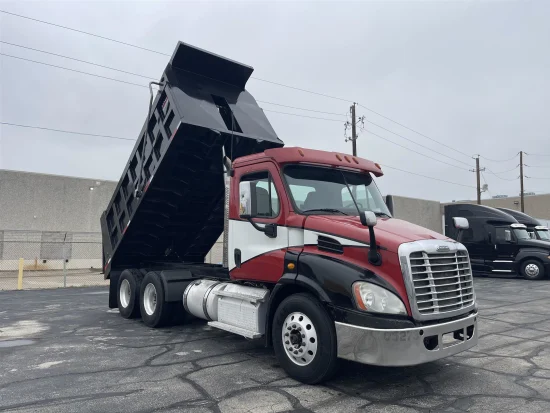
point(442, 248)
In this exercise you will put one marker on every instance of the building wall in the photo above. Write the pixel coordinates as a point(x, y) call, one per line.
point(418, 211)
point(30, 201)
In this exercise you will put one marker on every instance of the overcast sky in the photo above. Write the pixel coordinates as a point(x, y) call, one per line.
point(473, 76)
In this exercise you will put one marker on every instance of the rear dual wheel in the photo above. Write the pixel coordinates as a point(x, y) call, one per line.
point(155, 311)
point(128, 293)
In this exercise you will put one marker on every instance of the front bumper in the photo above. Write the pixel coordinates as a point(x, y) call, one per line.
point(406, 347)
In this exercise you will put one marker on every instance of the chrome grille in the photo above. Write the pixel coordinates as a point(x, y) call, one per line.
point(442, 282)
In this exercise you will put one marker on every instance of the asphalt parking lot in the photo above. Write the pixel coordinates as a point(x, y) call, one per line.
point(65, 351)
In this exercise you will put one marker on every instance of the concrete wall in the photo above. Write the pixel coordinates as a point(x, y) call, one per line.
point(418, 211)
point(30, 201)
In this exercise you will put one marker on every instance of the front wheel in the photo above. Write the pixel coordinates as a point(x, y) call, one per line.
point(532, 270)
point(304, 339)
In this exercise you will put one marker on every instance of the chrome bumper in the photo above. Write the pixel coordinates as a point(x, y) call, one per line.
point(406, 347)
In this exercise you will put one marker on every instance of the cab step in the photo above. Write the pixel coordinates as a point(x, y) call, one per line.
point(235, 330)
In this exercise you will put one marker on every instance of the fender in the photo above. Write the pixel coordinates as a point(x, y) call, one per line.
point(329, 279)
point(526, 253)
point(175, 282)
point(334, 278)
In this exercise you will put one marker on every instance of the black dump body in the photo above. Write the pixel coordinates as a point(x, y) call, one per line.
point(521, 217)
point(476, 215)
point(202, 107)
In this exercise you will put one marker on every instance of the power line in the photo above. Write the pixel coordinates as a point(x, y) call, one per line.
point(166, 54)
point(255, 78)
point(508, 170)
point(532, 154)
point(428, 177)
point(78, 60)
point(415, 131)
point(499, 177)
point(412, 141)
point(534, 177)
point(83, 32)
point(73, 70)
point(301, 116)
point(146, 77)
point(133, 140)
point(412, 150)
point(162, 53)
point(295, 107)
point(66, 131)
point(499, 160)
point(301, 90)
point(536, 166)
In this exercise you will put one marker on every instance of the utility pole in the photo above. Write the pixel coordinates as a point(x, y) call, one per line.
point(521, 180)
point(353, 130)
point(478, 172)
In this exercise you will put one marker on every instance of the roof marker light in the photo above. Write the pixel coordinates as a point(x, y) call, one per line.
point(339, 157)
point(355, 160)
point(378, 166)
point(346, 158)
point(301, 152)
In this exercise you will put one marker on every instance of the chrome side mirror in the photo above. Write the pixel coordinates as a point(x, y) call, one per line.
point(461, 223)
point(368, 218)
point(508, 235)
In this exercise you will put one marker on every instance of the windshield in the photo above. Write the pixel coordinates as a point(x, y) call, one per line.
point(322, 190)
point(543, 234)
point(521, 233)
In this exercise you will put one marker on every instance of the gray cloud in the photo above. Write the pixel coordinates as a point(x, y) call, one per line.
point(471, 75)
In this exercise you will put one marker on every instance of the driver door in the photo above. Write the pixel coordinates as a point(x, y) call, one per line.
point(253, 253)
point(505, 250)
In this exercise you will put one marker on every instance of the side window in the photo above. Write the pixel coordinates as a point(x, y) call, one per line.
point(258, 195)
point(503, 235)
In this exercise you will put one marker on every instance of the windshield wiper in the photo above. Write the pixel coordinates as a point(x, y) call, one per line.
point(379, 214)
point(325, 210)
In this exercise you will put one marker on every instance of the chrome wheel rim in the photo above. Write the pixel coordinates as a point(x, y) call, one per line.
point(532, 270)
point(125, 293)
point(299, 339)
point(150, 299)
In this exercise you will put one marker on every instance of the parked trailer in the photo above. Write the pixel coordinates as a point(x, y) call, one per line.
point(314, 264)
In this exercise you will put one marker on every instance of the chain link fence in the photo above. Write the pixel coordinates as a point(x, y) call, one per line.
point(42, 259)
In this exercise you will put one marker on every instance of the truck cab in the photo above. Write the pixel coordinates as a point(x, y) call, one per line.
point(534, 227)
point(498, 244)
point(313, 262)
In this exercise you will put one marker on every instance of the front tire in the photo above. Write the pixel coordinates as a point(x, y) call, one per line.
point(532, 270)
point(304, 339)
point(155, 311)
point(128, 293)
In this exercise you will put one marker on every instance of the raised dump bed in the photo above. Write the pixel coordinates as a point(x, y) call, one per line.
point(168, 205)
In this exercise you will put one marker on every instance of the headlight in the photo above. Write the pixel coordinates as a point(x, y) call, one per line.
point(370, 297)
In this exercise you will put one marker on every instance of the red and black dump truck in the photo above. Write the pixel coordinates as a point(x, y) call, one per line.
point(313, 262)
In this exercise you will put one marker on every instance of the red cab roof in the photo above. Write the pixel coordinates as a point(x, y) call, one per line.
point(312, 156)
